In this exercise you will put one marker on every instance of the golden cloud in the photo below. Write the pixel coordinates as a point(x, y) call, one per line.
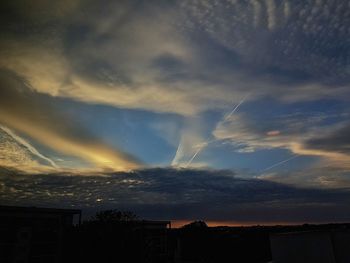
point(28, 112)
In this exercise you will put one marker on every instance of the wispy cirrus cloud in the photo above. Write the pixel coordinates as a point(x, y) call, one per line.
point(27, 145)
point(14, 154)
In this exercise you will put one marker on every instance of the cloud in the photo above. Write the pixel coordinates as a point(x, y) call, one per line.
point(14, 154)
point(273, 133)
point(28, 146)
point(301, 134)
point(120, 72)
point(30, 113)
point(271, 17)
point(189, 146)
point(178, 194)
point(334, 140)
point(320, 176)
point(257, 11)
point(186, 57)
point(191, 141)
point(301, 43)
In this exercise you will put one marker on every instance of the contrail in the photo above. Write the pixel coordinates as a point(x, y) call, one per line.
point(206, 142)
point(27, 145)
point(194, 156)
point(279, 163)
point(235, 108)
point(174, 161)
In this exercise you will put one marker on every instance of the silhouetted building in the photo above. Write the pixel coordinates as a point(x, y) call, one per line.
point(119, 241)
point(311, 247)
point(154, 235)
point(31, 234)
point(196, 243)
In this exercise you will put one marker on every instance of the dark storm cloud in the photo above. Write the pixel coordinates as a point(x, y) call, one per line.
point(177, 194)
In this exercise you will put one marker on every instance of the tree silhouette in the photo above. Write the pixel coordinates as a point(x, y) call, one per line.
point(110, 216)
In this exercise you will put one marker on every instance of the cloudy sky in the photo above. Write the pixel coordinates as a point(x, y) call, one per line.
point(234, 111)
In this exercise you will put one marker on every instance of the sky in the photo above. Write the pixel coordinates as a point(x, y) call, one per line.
point(224, 111)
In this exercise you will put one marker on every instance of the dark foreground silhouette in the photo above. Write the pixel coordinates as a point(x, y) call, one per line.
point(49, 235)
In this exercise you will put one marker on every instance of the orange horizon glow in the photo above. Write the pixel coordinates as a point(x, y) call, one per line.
point(181, 223)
